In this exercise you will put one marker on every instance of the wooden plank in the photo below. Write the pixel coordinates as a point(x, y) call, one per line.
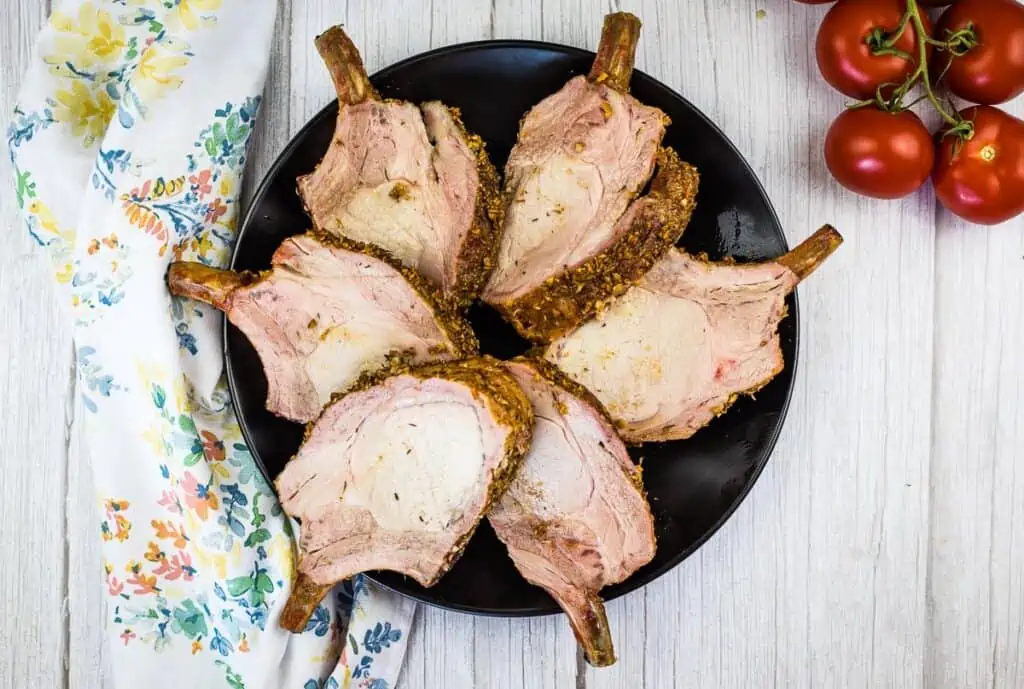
point(34, 384)
point(273, 129)
point(817, 580)
point(976, 579)
point(88, 653)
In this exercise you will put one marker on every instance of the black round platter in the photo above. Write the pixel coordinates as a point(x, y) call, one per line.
point(693, 485)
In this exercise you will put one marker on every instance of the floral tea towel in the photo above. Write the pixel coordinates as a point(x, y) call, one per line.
point(128, 146)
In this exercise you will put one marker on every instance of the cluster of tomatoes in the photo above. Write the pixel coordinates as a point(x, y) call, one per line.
point(886, 53)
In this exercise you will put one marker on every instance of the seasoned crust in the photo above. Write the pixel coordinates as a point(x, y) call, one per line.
point(454, 326)
point(566, 300)
point(478, 253)
point(554, 375)
point(616, 51)
point(506, 401)
point(504, 398)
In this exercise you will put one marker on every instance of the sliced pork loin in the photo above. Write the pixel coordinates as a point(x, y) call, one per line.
point(408, 179)
point(397, 474)
point(327, 312)
point(574, 236)
point(575, 518)
point(678, 348)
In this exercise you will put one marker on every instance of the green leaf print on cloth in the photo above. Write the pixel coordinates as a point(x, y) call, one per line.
point(128, 146)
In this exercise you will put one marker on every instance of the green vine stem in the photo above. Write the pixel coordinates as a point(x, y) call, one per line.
point(957, 43)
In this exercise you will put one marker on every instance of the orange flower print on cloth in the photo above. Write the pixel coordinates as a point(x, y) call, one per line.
point(198, 496)
point(116, 525)
point(128, 145)
point(213, 448)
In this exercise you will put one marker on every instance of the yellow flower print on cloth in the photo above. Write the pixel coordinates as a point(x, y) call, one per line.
point(191, 14)
point(120, 64)
point(157, 71)
point(92, 38)
point(198, 555)
point(88, 110)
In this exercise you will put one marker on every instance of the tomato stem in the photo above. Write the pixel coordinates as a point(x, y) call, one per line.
point(883, 42)
point(922, 64)
point(897, 34)
point(959, 42)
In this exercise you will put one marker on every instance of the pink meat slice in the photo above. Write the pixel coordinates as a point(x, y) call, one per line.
point(574, 520)
point(582, 156)
point(384, 183)
point(409, 179)
point(324, 315)
point(397, 475)
point(680, 346)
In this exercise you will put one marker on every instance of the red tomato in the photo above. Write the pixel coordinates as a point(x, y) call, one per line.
point(879, 154)
point(984, 181)
point(934, 3)
point(844, 57)
point(992, 72)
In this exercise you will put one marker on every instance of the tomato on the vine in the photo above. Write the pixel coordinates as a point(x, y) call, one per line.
point(982, 179)
point(992, 71)
point(877, 153)
point(846, 59)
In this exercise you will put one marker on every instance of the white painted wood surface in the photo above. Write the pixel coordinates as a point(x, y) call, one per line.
point(882, 547)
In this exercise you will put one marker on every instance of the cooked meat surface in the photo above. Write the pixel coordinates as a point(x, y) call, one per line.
point(325, 314)
point(397, 475)
point(679, 347)
point(574, 233)
point(409, 179)
point(574, 519)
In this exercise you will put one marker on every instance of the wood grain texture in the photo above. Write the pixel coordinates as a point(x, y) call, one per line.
point(35, 348)
point(975, 630)
point(88, 656)
point(880, 548)
point(817, 580)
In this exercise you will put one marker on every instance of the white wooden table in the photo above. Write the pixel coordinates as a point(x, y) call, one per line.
point(882, 547)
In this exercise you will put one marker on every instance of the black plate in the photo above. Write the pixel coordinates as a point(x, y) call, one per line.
point(693, 485)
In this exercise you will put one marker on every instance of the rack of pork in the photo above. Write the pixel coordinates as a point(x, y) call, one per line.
point(413, 437)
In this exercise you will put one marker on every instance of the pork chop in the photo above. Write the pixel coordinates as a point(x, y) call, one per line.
point(409, 179)
point(575, 518)
point(397, 474)
point(327, 312)
point(679, 347)
point(574, 233)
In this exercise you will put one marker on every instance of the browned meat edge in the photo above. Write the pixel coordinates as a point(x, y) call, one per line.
point(345, 65)
point(552, 374)
point(209, 285)
point(597, 640)
point(509, 405)
point(802, 260)
point(215, 286)
point(478, 254)
point(479, 250)
point(564, 301)
point(616, 51)
point(457, 329)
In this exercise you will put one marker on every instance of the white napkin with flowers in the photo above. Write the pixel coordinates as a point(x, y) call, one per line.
point(128, 146)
